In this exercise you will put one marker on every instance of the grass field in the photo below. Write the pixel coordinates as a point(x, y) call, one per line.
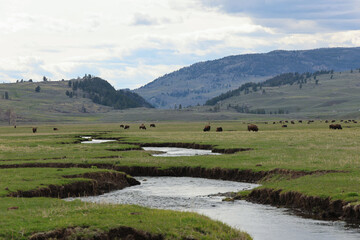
point(300, 146)
point(334, 95)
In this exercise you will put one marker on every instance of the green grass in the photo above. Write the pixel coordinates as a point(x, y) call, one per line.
point(42, 214)
point(24, 179)
point(306, 147)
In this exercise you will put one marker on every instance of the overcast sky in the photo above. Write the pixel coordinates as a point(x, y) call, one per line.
point(132, 42)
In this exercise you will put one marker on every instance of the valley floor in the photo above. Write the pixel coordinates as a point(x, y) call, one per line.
point(307, 161)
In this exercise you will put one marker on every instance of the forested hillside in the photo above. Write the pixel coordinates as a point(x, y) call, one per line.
point(199, 82)
point(84, 99)
point(325, 93)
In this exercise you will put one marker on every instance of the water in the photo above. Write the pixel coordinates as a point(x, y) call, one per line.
point(92, 141)
point(262, 222)
point(178, 152)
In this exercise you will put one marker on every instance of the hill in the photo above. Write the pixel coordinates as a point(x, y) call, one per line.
point(320, 94)
point(65, 101)
point(199, 82)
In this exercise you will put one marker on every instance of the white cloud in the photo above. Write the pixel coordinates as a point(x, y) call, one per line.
point(131, 42)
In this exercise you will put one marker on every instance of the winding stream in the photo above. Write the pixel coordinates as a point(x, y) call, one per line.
point(178, 152)
point(262, 222)
point(195, 194)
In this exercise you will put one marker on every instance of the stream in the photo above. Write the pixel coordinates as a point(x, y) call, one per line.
point(262, 222)
point(197, 195)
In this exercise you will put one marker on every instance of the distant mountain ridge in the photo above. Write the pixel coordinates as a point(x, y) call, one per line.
point(204, 80)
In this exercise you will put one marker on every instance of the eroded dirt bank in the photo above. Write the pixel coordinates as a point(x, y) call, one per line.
point(312, 206)
point(115, 233)
point(101, 182)
point(211, 173)
point(323, 208)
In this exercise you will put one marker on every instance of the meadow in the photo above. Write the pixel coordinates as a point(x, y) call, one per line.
point(299, 147)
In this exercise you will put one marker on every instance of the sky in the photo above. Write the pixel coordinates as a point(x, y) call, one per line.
point(132, 42)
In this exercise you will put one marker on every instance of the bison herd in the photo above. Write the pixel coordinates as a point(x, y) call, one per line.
point(250, 127)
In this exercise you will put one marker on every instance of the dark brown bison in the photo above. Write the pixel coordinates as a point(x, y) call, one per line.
point(335, 126)
point(326, 121)
point(253, 127)
point(333, 121)
point(300, 121)
point(34, 129)
point(142, 126)
point(152, 125)
point(274, 122)
point(14, 126)
point(292, 122)
point(122, 126)
point(126, 127)
point(207, 128)
point(219, 129)
point(55, 129)
point(284, 125)
point(287, 121)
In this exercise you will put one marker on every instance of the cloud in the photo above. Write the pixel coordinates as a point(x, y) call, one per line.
point(132, 45)
point(335, 14)
point(144, 19)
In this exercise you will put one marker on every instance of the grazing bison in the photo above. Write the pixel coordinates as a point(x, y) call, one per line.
point(152, 125)
point(142, 126)
point(55, 129)
point(207, 128)
point(292, 122)
point(300, 121)
point(284, 125)
point(122, 126)
point(326, 121)
point(335, 126)
point(253, 127)
point(14, 126)
point(219, 129)
point(126, 127)
point(333, 121)
point(274, 122)
point(34, 129)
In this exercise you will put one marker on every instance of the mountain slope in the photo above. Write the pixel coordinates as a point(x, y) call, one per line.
point(62, 101)
point(201, 81)
point(328, 94)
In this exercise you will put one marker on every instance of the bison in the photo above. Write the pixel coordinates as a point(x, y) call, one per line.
point(253, 127)
point(14, 126)
point(34, 129)
point(122, 126)
point(152, 125)
point(292, 122)
point(284, 126)
point(219, 129)
point(142, 126)
point(207, 128)
point(126, 127)
point(335, 126)
point(300, 121)
point(55, 129)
